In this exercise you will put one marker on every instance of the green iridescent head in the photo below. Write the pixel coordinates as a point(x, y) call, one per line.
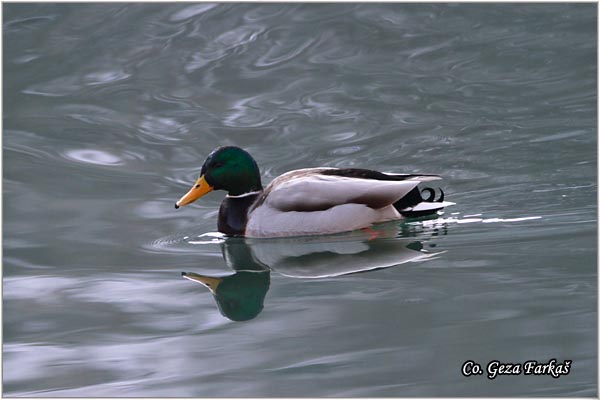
point(226, 168)
point(233, 169)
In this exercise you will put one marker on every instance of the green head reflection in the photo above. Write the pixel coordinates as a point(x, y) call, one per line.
point(240, 296)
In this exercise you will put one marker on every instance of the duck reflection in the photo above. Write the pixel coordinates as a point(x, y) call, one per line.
point(240, 296)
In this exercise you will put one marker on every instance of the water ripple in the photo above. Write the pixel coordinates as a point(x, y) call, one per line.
point(161, 129)
point(278, 55)
point(222, 46)
point(192, 11)
point(94, 157)
point(69, 85)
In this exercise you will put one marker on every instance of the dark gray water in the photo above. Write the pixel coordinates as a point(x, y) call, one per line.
point(110, 109)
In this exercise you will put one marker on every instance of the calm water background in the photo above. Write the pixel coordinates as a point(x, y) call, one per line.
point(110, 109)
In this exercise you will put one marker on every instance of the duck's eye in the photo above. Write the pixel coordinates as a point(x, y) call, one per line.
point(218, 164)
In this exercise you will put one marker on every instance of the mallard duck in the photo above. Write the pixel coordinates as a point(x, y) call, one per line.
point(310, 201)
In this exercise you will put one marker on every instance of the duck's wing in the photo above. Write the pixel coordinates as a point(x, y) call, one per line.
point(320, 189)
point(380, 176)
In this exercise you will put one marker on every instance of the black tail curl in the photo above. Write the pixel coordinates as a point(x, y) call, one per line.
point(415, 197)
point(431, 197)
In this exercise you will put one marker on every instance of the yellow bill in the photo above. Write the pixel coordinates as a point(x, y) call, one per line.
point(200, 188)
point(208, 281)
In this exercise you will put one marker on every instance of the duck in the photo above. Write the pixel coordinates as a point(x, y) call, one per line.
point(309, 201)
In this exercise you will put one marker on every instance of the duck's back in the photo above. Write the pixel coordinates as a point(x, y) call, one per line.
point(327, 200)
